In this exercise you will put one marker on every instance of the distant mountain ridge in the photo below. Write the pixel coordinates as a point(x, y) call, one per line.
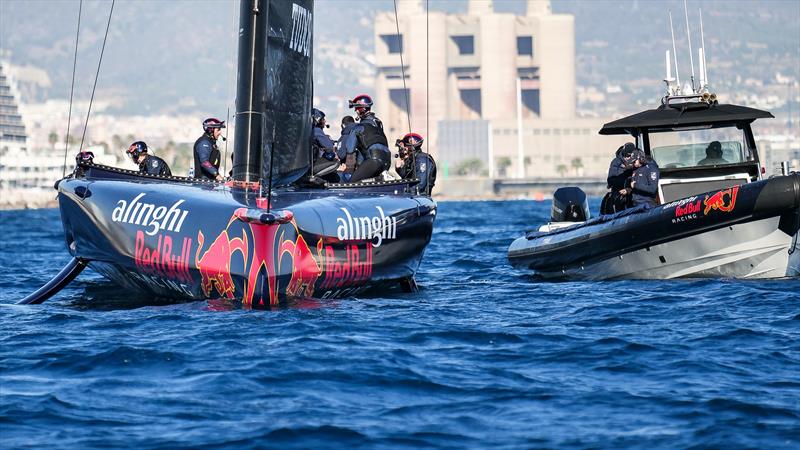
point(179, 56)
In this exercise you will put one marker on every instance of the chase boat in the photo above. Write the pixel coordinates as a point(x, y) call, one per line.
point(718, 216)
point(273, 233)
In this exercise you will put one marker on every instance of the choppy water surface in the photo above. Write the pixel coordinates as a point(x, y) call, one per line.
point(483, 357)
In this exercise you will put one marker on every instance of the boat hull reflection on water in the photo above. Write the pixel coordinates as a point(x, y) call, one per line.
point(745, 231)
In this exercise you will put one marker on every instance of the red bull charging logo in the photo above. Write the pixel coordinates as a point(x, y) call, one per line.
point(723, 201)
point(271, 259)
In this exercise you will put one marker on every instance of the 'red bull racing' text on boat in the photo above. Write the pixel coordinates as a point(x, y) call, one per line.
point(718, 215)
point(273, 232)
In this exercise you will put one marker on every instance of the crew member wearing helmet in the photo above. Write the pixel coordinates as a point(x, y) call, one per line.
point(325, 163)
point(370, 141)
point(322, 143)
point(83, 157)
point(413, 163)
point(149, 164)
point(346, 149)
point(643, 183)
point(206, 154)
point(620, 169)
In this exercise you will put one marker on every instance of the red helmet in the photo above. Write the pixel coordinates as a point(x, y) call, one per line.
point(136, 149)
point(413, 140)
point(212, 123)
point(361, 101)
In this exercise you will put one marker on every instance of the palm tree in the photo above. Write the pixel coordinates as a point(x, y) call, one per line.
point(503, 163)
point(52, 138)
point(577, 165)
point(561, 169)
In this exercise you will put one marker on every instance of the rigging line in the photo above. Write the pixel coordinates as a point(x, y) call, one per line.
point(402, 66)
point(428, 89)
point(72, 90)
point(228, 95)
point(97, 74)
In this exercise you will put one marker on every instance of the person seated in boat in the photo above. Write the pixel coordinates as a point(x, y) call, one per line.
point(322, 147)
point(206, 153)
point(643, 183)
point(149, 164)
point(713, 155)
point(412, 163)
point(346, 149)
point(619, 171)
point(370, 141)
point(322, 143)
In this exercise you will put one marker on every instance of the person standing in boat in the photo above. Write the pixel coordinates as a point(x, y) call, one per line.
point(643, 184)
point(413, 163)
point(619, 171)
point(370, 140)
point(206, 153)
point(149, 164)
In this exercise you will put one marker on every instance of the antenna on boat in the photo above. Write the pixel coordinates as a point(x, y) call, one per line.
point(677, 89)
point(689, 36)
point(704, 67)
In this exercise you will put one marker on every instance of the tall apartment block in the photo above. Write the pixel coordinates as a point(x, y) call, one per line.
point(474, 80)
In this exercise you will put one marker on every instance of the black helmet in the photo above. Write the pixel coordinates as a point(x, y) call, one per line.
point(136, 149)
point(212, 123)
point(317, 117)
point(628, 153)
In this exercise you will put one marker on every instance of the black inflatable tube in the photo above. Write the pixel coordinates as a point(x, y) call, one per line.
point(67, 274)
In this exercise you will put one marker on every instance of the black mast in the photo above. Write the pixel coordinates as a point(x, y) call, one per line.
point(250, 106)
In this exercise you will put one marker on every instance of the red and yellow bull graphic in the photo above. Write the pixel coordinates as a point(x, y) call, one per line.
point(723, 201)
point(267, 255)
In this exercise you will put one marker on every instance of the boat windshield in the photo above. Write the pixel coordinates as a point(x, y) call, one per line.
point(699, 147)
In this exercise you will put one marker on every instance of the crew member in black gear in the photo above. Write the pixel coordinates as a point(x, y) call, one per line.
point(643, 184)
point(325, 164)
point(347, 150)
point(149, 164)
point(206, 154)
point(83, 157)
point(370, 141)
point(620, 169)
point(412, 163)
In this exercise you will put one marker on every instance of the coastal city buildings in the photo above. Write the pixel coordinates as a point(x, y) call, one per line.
point(25, 175)
point(494, 91)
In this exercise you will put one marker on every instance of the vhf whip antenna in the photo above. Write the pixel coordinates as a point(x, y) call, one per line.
point(704, 73)
point(674, 53)
point(689, 35)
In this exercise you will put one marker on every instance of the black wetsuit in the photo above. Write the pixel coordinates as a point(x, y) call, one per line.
point(646, 188)
point(153, 165)
point(618, 173)
point(373, 146)
point(206, 158)
point(421, 166)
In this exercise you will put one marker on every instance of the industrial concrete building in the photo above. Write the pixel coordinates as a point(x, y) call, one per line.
point(473, 81)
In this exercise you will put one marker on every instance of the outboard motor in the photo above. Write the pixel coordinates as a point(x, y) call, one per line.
point(569, 205)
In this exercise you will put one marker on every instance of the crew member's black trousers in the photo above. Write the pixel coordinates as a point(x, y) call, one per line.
point(370, 168)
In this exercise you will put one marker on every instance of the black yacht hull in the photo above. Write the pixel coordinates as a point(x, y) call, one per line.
point(200, 240)
point(746, 231)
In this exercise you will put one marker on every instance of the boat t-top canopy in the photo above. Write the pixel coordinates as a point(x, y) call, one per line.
point(686, 115)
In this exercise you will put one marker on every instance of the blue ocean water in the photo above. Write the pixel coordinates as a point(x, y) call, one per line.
point(483, 357)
